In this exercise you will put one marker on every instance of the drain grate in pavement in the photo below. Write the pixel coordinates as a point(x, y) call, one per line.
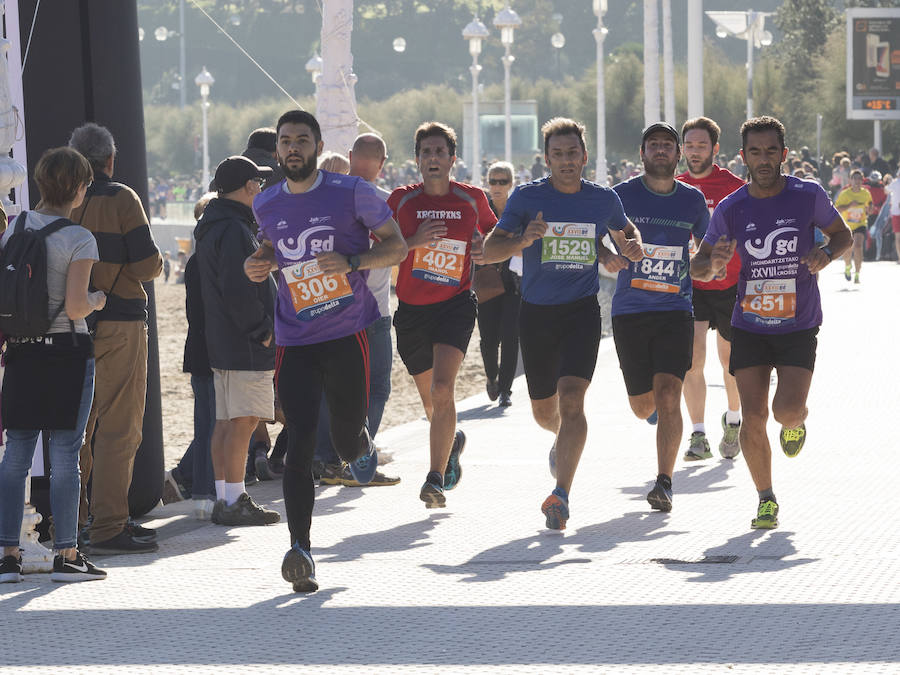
point(705, 560)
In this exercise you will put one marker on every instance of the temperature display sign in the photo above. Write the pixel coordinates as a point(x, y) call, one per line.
point(873, 64)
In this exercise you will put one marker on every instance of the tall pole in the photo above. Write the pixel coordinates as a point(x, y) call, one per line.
point(651, 62)
point(475, 166)
point(695, 59)
point(668, 64)
point(600, 35)
point(751, 30)
point(181, 59)
point(877, 136)
point(203, 106)
point(507, 105)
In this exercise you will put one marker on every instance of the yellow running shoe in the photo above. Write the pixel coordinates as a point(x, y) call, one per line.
point(766, 516)
point(792, 440)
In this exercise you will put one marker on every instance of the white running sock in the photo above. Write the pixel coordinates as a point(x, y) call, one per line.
point(220, 489)
point(233, 491)
point(732, 417)
point(701, 427)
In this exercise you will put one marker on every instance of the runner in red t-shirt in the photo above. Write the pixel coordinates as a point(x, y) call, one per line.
point(440, 220)
point(713, 300)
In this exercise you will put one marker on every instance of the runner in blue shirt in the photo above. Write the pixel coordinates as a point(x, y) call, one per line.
point(557, 224)
point(653, 321)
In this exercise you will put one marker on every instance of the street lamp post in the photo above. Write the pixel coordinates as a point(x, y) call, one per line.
point(507, 21)
point(475, 32)
point(600, 35)
point(204, 80)
point(750, 26)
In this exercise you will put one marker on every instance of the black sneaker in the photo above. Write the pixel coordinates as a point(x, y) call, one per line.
point(139, 531)
point(11, 569)
point(493, 389)
point(123, 544)
point(432, 492)
point(216, 515)
point(245, 511)
point(505, 399)
point(80, 569)
point(299, 569)
point(261, 463)
point(660, 497)
point(330, 474)
point(453, 472)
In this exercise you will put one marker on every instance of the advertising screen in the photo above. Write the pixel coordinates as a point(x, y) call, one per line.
point(873, 64)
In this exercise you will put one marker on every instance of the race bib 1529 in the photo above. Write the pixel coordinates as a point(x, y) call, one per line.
point(570, 244)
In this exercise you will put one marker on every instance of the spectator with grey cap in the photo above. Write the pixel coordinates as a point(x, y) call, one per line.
point(239, 320)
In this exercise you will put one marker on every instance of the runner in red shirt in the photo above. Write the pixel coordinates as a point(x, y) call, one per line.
point(713, 300)
point(441, 220)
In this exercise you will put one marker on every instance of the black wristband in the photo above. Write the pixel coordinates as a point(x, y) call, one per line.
point(827, 250)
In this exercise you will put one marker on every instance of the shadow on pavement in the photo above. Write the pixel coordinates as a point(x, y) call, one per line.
point(396, 539)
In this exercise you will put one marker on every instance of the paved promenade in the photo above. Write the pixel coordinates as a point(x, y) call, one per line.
point(481, 586)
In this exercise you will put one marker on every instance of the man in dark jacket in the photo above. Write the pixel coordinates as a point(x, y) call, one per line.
point(261, 151)
point(239, 318)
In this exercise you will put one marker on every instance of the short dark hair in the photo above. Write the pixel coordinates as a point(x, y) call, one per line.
point(262, 139)
point(562, 126)
point(59, 173)
point(856, 172)
point(429, 129)
point(704, 123)
point(759, 124)
point(300, 117)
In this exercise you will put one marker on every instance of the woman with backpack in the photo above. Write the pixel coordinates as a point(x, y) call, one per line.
point(49, 378)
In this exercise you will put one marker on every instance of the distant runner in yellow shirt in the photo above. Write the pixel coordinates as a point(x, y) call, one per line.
point(853, 204)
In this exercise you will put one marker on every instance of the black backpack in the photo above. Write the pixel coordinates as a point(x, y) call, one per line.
point(24, 301)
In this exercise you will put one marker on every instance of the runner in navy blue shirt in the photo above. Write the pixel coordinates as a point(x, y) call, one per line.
point(557, 224)
point(653, 322)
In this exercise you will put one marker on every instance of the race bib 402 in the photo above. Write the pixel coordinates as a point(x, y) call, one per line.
point(441, 262)
point(314, 293)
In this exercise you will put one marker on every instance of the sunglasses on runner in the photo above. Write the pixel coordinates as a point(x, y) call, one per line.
point(498, 181)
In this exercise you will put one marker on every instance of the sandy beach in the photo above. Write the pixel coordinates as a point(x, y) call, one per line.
point(177, 400)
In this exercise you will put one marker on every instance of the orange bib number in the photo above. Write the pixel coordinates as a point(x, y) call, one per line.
point(770, 302)
point(314, 293)
point(441, 262)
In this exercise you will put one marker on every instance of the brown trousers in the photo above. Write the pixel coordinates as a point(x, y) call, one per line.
point(115, 425)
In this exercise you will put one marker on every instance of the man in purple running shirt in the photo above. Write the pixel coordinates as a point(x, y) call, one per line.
point(314, 228)
point(772, 222)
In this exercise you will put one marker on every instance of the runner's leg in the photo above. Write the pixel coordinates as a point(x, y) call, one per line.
point(667, 395)
point(572, 429)
point(731, 390)
point(447, 361)
point(753, 385)
point(694, 379)
point(789, 403)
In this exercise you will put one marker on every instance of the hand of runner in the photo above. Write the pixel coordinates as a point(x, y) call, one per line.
point(815, 260)
point(721, 253)
point(332, 262)
point(477, 247)
point(614, 263)
point(429, 232)
point(633, 250)
point(256, 267)
point(535, 230)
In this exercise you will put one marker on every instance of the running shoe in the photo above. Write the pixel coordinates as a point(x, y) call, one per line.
point(79, 569)
point(766, 516)
point(364, 468)
point(856, 278)
point(216, 516)
point(730, 445)
point(505, 399)
point(11, 569)
point(660, 497)
point(432, 492)
point(328, 474)
point(552, 459)
point(299, 569)
point(792, 440)
point(556, 509)
point(698, 447)
point(847, 272)
point(453, 472)
point(261, 462)
point(347, 479)
point(653, 419)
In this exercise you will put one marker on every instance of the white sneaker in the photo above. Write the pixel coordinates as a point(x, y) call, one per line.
point(203, 508)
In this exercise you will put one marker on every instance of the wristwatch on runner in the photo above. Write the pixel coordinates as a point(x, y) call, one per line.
point(827, 251)
point(353, 261)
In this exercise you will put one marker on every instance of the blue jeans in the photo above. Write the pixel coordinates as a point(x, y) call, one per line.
point(196, 464)
point(65, 477)
point(381, 353)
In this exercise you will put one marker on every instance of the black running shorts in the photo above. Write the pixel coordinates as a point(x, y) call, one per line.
point(653, 342)
point(420, 327)
point(558, 341)
point(715, 306)
point(859, 229)
point(785, 349)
